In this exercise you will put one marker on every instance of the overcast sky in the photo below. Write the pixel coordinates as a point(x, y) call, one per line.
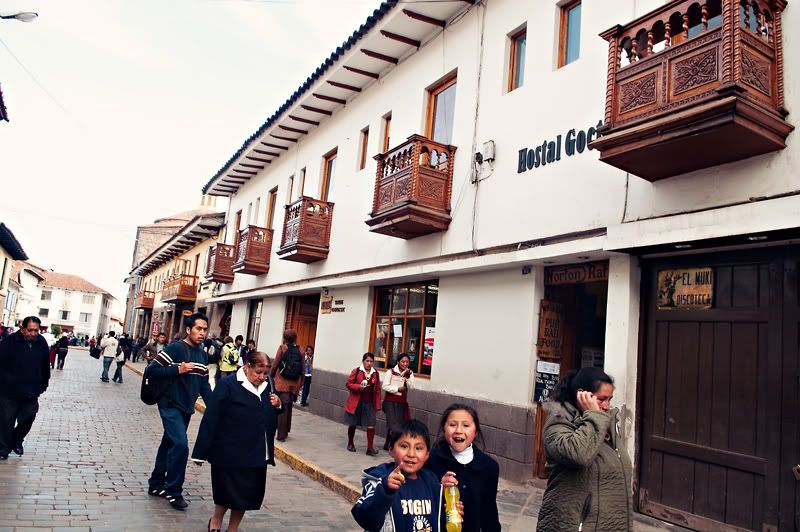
point(121, 110)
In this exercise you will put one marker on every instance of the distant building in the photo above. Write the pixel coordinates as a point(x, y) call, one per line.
point(116, 325)
point(10, 251)
point(23, 292)
point(74, 304)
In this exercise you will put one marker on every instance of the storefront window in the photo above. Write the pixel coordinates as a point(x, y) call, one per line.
point(405, 321)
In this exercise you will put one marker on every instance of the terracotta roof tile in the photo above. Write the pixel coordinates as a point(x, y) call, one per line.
point(70, 282)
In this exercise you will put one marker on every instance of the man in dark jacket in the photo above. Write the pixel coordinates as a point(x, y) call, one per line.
point(61, 350)
point(186, 364)
point(24, 376)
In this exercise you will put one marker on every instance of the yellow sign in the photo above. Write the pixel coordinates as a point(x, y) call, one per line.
point(325, 304)
point(551, 330)
point(688, 288)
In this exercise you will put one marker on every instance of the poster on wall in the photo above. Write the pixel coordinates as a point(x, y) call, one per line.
point(326, 302)
point(686, 288)
point(551, 330)
point(156, 328)
point(546, 380)
point(427, 346)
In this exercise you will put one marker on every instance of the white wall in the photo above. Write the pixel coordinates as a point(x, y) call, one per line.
point(72, 301)
point(273, 314)
point(343, 337)
point(239, 318)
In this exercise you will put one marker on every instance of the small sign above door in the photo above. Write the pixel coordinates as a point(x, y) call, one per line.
point(576, 273)
point(687, 288)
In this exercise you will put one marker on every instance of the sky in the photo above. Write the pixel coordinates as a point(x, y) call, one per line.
point(121, 110)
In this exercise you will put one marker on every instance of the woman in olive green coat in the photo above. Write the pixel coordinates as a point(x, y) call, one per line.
point(589, 476)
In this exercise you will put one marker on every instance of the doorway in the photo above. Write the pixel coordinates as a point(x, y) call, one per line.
point(301, 315)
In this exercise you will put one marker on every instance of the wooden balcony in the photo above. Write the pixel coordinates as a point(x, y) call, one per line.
point(254, 248)
point(145, 299)
point(219, 268)
point(693, 85)
point(412, 189)
point(179, 288)
point(306, 230)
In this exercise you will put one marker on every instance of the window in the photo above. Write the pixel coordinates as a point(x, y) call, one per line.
point(238, 222)
point(328, 173)
point(88, 299)
point(516, 60)
point(85, 317)
point(44, 312)
point(273, 199)
point(362, 156)
point(254, 320)
point(569, 43)
point(196, 263)
point(63, 314)
point(387, 126)
point(46, 295)
point(441, 109)
point(405, 321)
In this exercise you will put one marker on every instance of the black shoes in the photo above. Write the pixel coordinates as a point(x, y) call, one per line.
point(177, 502)
point(372, 452)
point(157, 492)
point(18, 450)
point(351, 448)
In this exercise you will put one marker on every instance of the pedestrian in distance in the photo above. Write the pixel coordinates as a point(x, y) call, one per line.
point(231, 352)
point(589, 476)
point(109, 345)
point(364, 385)
point(401, 496)
point(53, 354)
point(120, 359)
point(308, 365)
point(24, 376)
point(287, 370)
point(61, 351)
point(236, 437)
point(248, 351)
point(154, 347)
point(395, 403)
point(457, 456)
point(185, 364)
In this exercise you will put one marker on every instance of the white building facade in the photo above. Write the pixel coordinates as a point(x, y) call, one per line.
point(500, 251)
point(74, 304)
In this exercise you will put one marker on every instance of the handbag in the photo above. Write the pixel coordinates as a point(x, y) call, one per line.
point(94, 352)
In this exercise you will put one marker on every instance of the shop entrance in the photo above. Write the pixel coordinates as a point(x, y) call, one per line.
point(301, 315)
point(572, 332)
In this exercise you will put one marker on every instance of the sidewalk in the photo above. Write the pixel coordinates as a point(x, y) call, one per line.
point(317, 447)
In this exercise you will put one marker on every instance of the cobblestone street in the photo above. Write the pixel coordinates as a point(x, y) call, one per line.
point(89, 455)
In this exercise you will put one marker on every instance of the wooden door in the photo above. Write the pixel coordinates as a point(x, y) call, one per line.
point(713, 384)
point(301, 315)
point(786, 491)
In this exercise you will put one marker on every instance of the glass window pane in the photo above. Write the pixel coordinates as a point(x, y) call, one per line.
point(384, 299)
point(427, 346)
point(413, 341)
point(399, 301)
point(519, 67)
point(573, 34)
point(396, 345)
point(416, 300)
point(431, 299)
point(379, 346)
point(443, 112)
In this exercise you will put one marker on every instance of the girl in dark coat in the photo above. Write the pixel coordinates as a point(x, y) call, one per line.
point(456, 457)
point(236, 436)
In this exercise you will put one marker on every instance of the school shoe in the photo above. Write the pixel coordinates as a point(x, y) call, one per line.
point(157, 492)
point(372, 452)
point(18, 450)
point(351, 448)
point(177, 502)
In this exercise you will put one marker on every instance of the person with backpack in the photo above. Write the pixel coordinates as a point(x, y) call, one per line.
point(229, 363)
point(287, 370)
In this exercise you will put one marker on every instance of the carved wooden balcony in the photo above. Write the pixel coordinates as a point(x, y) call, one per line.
point(253, 250)
point(306, 230)
point(412, 189)
point(219, 268)
point(693, 85)
point(179, 288)
point(145, 299)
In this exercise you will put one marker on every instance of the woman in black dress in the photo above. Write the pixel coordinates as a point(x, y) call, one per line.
point(236, 436)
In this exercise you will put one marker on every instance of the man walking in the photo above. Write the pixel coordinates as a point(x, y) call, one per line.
point(62, 350)
point(186, 365)
point(154, 346)
point(109, 345)
point(24, 376)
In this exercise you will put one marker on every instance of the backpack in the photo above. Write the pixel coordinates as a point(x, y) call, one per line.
point(214, 353)
point(291, 366)
point(153, 389)
point(94, 352)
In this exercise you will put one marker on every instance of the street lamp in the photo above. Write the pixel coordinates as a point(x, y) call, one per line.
point(25, 16)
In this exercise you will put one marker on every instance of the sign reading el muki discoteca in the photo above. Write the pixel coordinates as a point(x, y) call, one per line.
point(687, 288)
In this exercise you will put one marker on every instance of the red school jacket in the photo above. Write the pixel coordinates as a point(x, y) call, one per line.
point(354, 386)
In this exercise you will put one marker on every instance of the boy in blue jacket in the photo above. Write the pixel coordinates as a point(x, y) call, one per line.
point(401, 496)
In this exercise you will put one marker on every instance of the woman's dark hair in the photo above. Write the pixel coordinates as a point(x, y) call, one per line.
point(412, 427)
point(290, 336)
point(401, 356)
point(453, 408)
point(587, 379)
point(366, 356)
point(228, 340)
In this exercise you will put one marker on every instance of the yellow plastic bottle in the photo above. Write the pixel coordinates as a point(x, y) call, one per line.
point(453, 518)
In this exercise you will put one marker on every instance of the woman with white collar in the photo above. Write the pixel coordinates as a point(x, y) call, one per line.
point(236, 437)
point(364, 401)
point(395, 403)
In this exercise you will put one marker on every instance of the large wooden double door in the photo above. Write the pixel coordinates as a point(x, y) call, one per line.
point(720, 397)
point(301, 315)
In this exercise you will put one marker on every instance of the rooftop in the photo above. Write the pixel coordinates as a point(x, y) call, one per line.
point(67, 281)
point(7, 239)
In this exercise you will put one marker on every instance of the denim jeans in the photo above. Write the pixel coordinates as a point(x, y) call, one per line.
point(306, 390)
point(106, 364)
point(118, 373)
point(170, 468)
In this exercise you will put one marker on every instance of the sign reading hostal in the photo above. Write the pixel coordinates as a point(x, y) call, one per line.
point(551, 330)
point(688, 288)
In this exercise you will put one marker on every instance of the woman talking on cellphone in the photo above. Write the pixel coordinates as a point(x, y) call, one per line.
point(589, 475)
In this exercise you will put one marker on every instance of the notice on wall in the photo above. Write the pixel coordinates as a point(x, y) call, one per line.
point(577, 273)
point(551, 330)
point(687, 288)
point(592, 357)
point(156, 328)
point(397, 330)
point(546, 380)
point(325, 304)
point(428, 345)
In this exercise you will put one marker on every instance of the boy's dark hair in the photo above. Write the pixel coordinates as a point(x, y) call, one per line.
point(412, 427)
point(239, 338)
point(189, 322)
point(453, 408)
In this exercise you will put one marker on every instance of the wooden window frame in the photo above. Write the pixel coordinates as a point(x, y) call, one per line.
point(290, 190)
point(562, 32)
point(386, 133)
point(272, 200)
point(302, 188)
point(236, 228)
point(405, 316)
point(363, 147)
point(325, 191)
point(513, 57)
point(433, 92)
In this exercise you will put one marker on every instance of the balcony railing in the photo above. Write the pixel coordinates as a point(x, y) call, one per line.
point(693, 85)
point(181, 287)
point(306, 230)
point(412, 189)
point(254, 248)
point(219, 268)
point(145, 299)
